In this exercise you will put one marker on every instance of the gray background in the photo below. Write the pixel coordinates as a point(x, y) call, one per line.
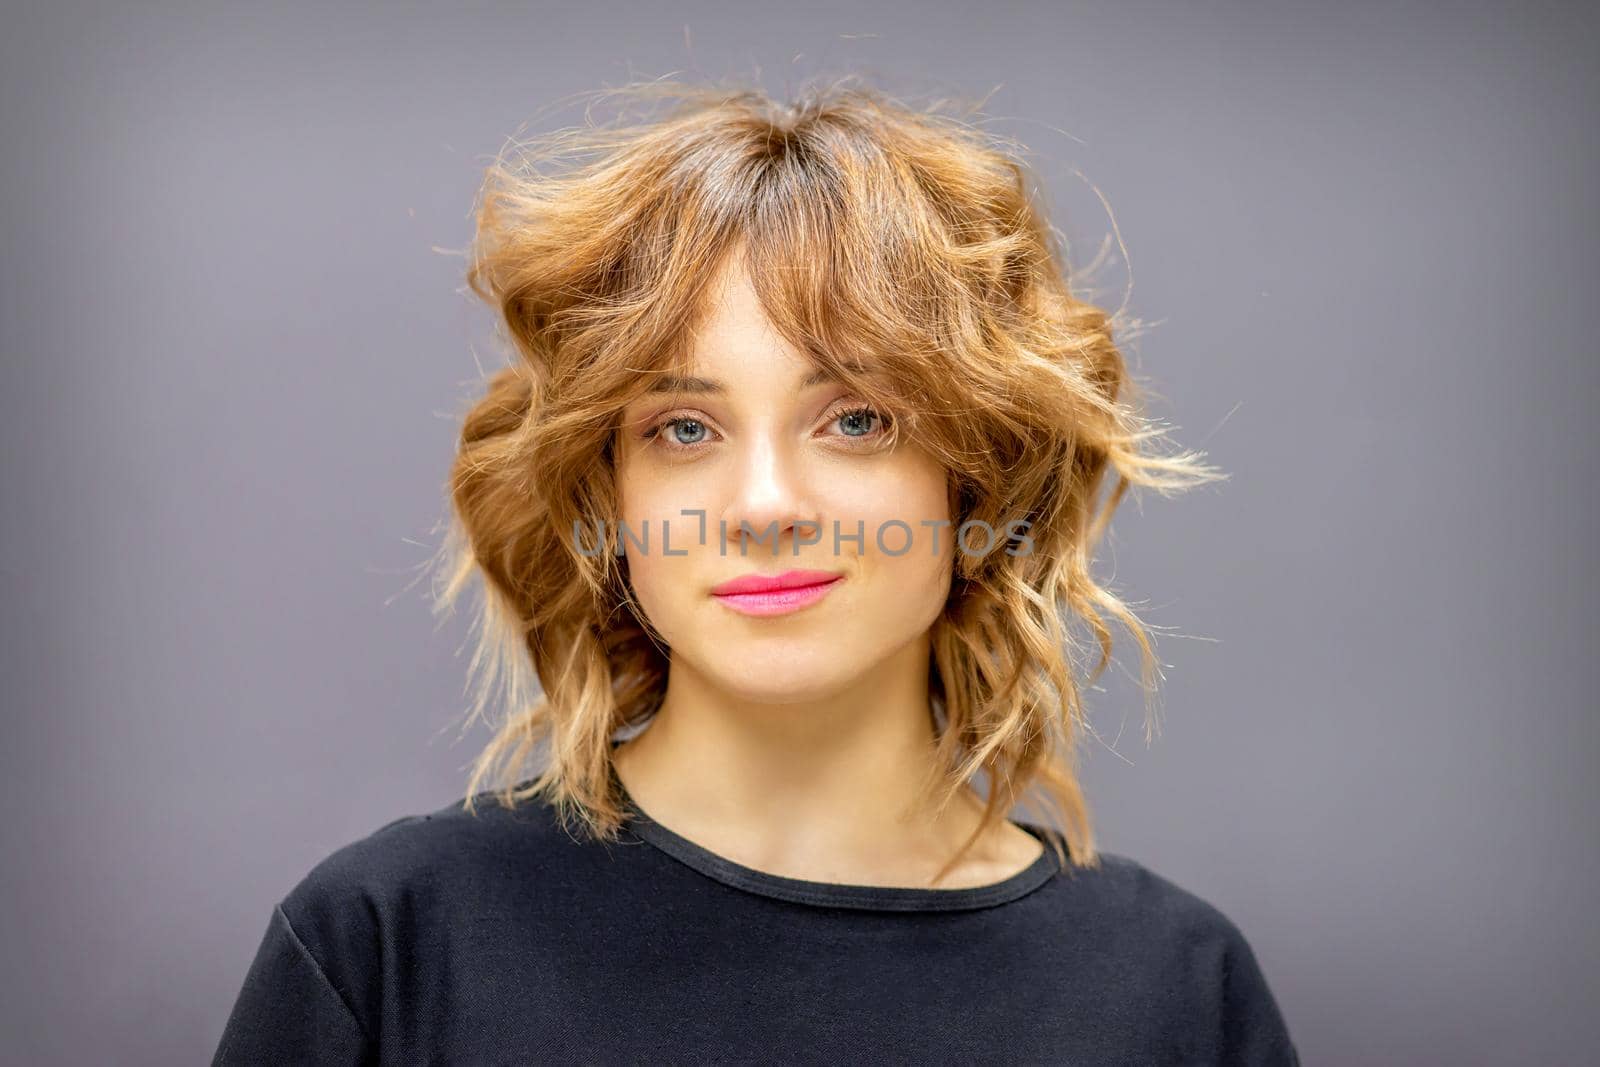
point(235, 349)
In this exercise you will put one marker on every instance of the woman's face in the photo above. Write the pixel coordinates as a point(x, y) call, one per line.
point(760, 437)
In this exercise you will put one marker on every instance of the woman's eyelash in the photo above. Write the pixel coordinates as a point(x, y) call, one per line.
point(881, 420)
point(667, 423)
point(843, 410)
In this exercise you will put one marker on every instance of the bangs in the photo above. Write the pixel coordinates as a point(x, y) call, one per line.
point(887, 253)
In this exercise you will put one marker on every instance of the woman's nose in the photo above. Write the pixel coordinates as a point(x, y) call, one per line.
point(771, 507)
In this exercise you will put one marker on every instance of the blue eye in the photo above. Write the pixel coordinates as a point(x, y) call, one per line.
point(858, 422)
point(687, 431)
point(679, 432)
point(684, 434)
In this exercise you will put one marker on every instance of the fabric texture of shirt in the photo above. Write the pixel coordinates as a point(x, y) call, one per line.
point(499, 938)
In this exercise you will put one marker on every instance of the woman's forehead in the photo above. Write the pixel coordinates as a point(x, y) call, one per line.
point(803, 374)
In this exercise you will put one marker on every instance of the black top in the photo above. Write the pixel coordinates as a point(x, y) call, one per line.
point(498, 938)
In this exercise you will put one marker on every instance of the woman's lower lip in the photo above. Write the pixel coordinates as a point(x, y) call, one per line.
point(777, 601)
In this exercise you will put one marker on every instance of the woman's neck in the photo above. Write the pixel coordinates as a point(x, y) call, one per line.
point(826, 788)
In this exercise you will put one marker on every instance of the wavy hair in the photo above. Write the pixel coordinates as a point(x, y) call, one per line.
point(900, 247)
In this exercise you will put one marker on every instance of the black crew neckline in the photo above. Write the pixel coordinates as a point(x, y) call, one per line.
point(838, 894)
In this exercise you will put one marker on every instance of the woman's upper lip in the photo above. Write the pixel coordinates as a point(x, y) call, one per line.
point(766, 583)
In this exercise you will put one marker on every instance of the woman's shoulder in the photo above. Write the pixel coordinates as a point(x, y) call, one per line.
point(354, 924)
point(421, 858)
point(1121, 908)
point(1182, 947)
point(1128, 888)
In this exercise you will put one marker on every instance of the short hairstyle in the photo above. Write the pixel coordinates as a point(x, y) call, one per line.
point(903, 249)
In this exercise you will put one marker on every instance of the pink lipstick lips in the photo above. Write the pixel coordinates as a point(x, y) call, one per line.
point(777, 594)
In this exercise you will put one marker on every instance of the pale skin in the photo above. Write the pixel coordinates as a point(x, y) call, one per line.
point(792, 744)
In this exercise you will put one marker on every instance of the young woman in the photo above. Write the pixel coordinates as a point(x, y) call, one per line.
point(786, 506)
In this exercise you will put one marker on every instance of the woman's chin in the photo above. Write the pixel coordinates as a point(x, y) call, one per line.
point(782, 680)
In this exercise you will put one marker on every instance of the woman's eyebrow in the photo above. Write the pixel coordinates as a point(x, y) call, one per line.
point(671, 383)
point(675, 384)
